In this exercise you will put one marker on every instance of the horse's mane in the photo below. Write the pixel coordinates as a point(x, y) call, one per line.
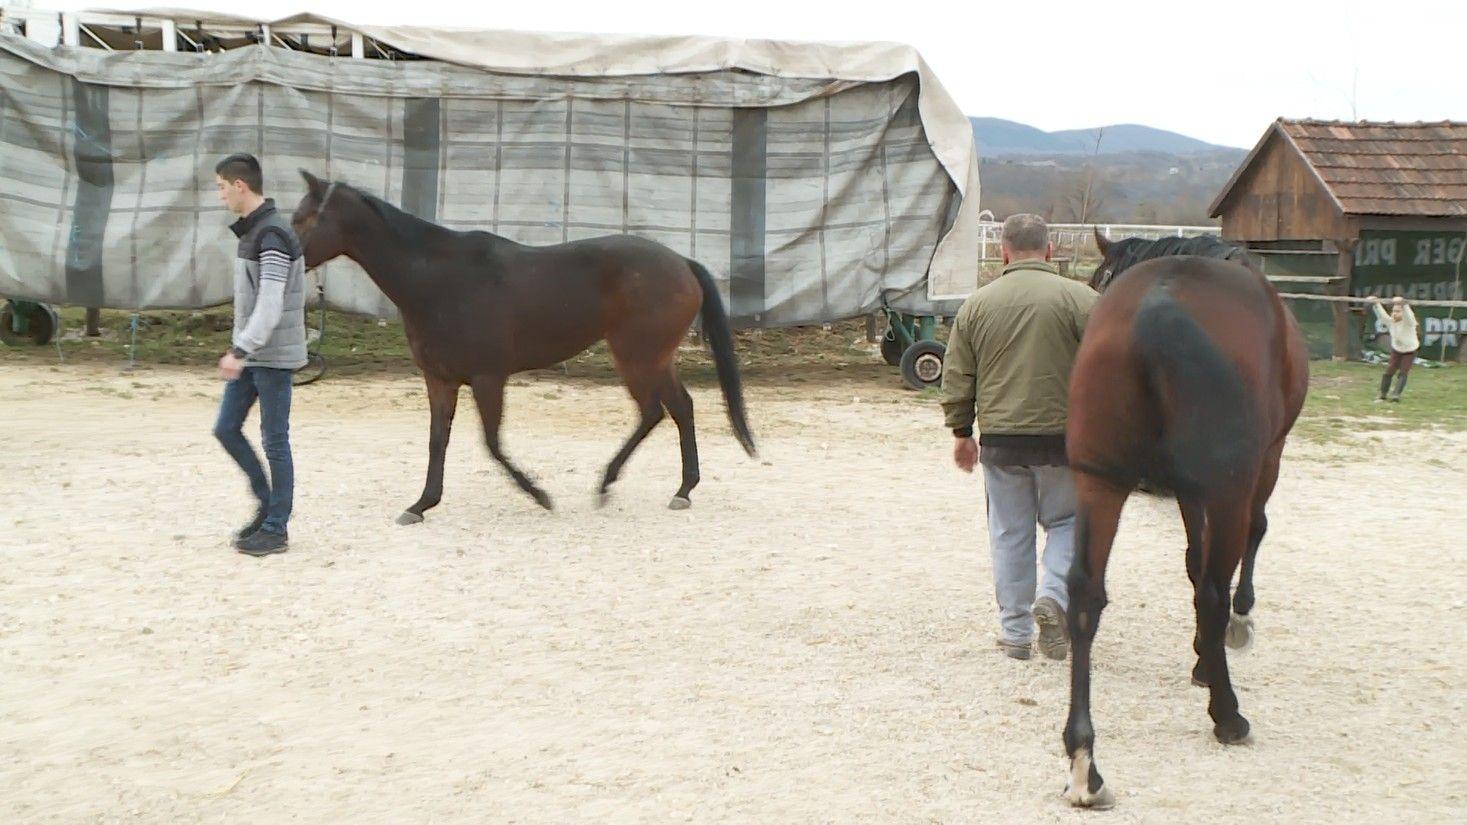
point(1131, 251)
point(409, 227)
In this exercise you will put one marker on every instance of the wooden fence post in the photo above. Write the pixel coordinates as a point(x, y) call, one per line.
point(1341, 287)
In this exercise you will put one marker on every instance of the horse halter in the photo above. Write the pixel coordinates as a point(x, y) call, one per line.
point(315, 218)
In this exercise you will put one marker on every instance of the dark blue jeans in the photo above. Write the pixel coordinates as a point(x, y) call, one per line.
point(272, 388)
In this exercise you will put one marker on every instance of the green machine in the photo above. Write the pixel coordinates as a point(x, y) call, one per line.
point(911, 343)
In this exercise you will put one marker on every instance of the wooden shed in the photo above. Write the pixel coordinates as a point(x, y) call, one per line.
point(1357, 208)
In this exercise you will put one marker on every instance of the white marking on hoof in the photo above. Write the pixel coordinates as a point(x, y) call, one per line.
point(1239, 636)
point(679, 503)
point(1078, 790)
point(409, 518)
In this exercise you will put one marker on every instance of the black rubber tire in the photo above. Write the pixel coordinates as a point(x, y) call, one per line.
point(922, 365)
point(43, 324)
point(891, 348)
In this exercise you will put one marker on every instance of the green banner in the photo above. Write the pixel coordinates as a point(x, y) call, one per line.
point(1419, 266)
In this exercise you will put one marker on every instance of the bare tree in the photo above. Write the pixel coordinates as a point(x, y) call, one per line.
point(1088, 190)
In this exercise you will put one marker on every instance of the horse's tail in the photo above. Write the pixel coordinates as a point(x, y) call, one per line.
point(720, 340)
point(1209, 426)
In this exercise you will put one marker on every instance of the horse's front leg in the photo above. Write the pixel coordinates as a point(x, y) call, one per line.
point(442, 404)
point(489, 395)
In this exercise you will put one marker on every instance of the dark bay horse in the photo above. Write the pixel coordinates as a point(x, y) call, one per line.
point(478, 308)
point(1118, 256)
point(1191, 373)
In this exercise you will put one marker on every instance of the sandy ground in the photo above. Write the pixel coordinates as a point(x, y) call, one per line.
point(813, 642)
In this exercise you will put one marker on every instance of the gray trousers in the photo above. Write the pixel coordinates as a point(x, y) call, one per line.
point(1018, 499)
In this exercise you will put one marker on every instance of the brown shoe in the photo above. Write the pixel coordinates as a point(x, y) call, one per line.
point(1054, 640)
point(1014, 650)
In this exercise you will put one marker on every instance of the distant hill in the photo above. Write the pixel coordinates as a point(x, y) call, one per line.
point(1139, 175)
point(1133, 187)
point(998, 137)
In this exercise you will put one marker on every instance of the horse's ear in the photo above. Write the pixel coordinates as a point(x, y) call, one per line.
point(1102, 243)
point(313, 183)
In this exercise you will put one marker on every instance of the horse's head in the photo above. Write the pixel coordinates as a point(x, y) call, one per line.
point(318, 221)
point(1113, 259)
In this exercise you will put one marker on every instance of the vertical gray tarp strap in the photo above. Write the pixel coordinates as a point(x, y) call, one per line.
point(750, 168)
point(92, 148)
point(422, 141)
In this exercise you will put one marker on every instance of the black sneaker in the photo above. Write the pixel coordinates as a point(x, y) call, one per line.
point(250, 529)
point(263, 543)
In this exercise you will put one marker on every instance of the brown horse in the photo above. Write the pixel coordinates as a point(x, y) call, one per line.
point(478, 308)
point(1191, 373)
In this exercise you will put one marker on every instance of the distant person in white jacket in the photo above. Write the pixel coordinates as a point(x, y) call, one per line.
point(1401, 322)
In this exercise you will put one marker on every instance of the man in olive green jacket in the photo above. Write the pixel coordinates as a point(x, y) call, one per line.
point(1008, 369)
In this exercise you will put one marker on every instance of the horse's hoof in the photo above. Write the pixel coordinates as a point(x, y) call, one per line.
point(1231, 732)
point(679, 503)
point(602, 499)
point(409, 518)
point(1101, 800)
point(543, 500)
point(1077, 790)
point(1239, 635)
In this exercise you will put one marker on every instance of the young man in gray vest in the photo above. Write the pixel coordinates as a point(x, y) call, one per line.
point(269, 345)
point(1008, 367)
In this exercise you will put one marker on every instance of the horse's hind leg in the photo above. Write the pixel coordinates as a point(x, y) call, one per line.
point(1225, 543)
point(489, 395)
point(680, 405)
point(1099, 515)
point(1240, 623)
point(1194, 519)
point(648, 394)
point(442, 402)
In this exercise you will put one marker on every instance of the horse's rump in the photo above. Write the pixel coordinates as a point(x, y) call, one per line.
point(1178, 378)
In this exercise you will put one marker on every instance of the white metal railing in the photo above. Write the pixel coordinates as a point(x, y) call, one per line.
point(85, 30)
point(1077, 240)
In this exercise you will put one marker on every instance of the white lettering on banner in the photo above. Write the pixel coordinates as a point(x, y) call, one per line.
point(1433, 290)
point(1438, 251)
point(1436, 330)
point(1439, 328)
point(1376, 252)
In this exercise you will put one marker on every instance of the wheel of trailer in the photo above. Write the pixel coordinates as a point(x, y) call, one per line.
point(313, 370)
point(891, 348)
point(42, 323)
point(922, 364)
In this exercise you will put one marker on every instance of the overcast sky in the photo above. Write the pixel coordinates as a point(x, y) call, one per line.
point(1218, 71)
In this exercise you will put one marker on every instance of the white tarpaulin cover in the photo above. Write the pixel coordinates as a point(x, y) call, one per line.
point(811, 179)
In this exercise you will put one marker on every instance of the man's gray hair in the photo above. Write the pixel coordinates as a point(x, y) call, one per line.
point(1025, 233)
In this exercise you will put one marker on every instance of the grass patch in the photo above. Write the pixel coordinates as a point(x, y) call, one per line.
point(1341, 398)
point(1342, 401)
point(357, 345)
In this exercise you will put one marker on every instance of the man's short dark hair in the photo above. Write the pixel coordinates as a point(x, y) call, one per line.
point(242, 167)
